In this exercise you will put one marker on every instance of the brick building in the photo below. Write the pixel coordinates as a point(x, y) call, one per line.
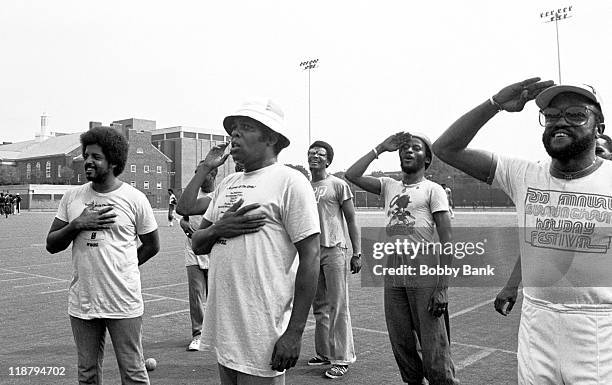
point(187, 146)
point(158, 159)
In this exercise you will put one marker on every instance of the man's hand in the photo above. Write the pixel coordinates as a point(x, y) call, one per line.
point(95, 219)
point(394, 142)
point(286, 351)
point(234, 222)
point(186, 226)
point(513, 97)
point(215, 157)
point(355, 264)
point(438, 302)
point(506, 295)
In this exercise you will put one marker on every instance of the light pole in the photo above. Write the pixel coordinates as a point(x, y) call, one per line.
point(556, 15)
point(309, 65)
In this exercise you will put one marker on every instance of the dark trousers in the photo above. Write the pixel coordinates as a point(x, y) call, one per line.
point(405, 312)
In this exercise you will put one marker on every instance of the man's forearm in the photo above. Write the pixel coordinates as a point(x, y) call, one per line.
point(146, 252)
point(305, 288)
point(203, 240)
point(190, 194)
point(459, 135)
point(360, 167)
point(516, 276)
point(60, 239)
point(354, 236)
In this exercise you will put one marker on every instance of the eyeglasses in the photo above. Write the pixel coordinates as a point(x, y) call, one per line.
point(577, 115)
point(316, 153)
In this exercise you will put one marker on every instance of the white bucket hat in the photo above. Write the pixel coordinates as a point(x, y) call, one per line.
point(266, 112)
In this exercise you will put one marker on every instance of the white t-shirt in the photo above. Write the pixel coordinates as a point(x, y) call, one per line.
point(105, 278)
point(410, 208)
point(330, 194)
point(565, 231)
point(191, 259)
point(252, 277)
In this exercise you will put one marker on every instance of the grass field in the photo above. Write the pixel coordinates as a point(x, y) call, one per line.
point(36, 331)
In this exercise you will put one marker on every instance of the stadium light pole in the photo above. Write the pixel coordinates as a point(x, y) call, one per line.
point(308, 65)
point(557, 15)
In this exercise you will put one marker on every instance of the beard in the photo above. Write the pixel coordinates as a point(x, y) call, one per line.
point(98, 176)
point(576, 147)
point(414, 167)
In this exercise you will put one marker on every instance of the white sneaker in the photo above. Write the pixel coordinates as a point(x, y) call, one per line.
point(194, 345)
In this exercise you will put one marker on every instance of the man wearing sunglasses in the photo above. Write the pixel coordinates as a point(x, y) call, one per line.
point(564, 213)
point(333, 332)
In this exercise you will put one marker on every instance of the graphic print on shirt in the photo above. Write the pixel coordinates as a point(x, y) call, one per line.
point(401, 221)
point(319, 192)
point(232, 195)
point(568, 221)
point(93, 237)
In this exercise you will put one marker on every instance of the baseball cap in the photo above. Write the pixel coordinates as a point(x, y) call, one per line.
point(266, 112)
point(544, 98)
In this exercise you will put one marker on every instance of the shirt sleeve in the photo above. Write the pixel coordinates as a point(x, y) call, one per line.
point(343, 191)
point(299, 212)
point(145, 218)
point(507, 173)
point(209, 214)
point(384, 185)
point(62, 210)
point(439, 199)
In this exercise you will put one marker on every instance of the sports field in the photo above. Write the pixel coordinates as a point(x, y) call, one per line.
point(35, 331)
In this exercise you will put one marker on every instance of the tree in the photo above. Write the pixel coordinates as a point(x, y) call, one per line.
point(300, 168)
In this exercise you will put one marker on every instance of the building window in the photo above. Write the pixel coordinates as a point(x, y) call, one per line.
point(146, 169)
point(146, 185)
point(159, 185)
point(158, 200)
point(159, 169)
point(133, 183)
point(139, 150)
point(48, 170)
point(132, 168)
point(59, 170)
point(78, 178)
point(37, 169)
point(28, 171)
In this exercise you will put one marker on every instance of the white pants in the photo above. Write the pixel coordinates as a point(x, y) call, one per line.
point(564, 344)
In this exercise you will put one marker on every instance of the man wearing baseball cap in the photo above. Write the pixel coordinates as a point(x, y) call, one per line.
point(414, 306)
point(564, 213)
point(259, 219)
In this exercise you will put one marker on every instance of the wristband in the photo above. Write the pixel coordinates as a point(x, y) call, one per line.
point(375, 153)
point(495, 104)
point(357, 255)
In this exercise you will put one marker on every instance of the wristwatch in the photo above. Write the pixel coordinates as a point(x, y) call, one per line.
point(357, 255)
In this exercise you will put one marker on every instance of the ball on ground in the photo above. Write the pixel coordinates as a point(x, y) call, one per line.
point(150, 364)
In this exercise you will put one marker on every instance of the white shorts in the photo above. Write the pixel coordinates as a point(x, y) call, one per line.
point(564, 344)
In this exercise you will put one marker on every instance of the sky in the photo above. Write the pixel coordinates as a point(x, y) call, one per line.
point(384, 66)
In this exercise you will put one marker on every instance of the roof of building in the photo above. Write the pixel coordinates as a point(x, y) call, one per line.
point(58, 145)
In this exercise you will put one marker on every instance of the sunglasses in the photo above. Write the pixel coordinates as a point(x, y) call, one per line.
point(576, 115)
point(316, 153)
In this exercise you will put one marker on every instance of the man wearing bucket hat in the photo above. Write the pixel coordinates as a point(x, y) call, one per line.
point(415, 208)
point(259, 292)
point(563, 209)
